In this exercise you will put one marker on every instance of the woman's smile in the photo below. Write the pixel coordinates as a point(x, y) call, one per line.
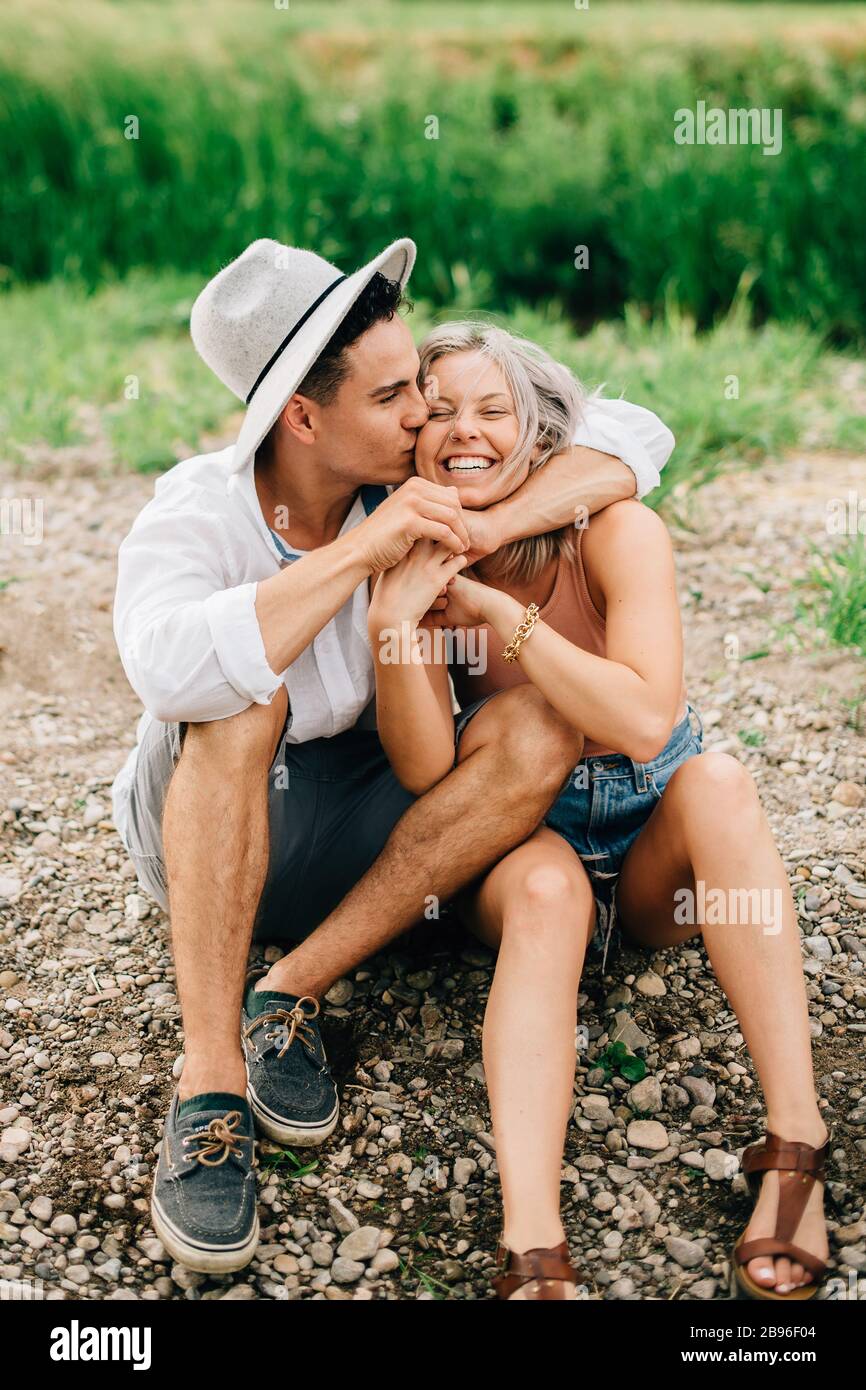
point(467, 463)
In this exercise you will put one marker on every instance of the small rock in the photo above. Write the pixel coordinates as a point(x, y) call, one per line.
point(344, 1220)
point(384, 1261)
point(346, 1271)
point(463, 1170)
point(340, 993)
point(646, 1096)
point(651, 985)
point(41, 1208)
point(370, 1190)
point(719, 1165)
point(848, 794)
point(360, 1244)
point(647, 1134)
point(686, 1253)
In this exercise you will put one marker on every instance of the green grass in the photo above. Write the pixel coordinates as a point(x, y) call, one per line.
point(71, 385)
point(555, 130)
point(838, 607)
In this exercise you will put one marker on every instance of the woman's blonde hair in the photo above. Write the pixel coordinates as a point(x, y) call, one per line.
point(548, 401)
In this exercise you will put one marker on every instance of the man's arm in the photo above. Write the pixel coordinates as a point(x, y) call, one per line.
point(196, 650)
point(617, 452)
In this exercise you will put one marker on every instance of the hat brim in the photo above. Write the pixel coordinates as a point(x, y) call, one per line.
point(290, 368)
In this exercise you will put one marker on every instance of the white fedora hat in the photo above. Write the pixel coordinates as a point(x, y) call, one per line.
point(263, 320)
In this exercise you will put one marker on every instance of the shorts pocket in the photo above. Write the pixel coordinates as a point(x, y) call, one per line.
point(658, 777)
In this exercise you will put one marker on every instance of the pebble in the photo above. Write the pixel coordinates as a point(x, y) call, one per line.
point(646, 1096)
point(361, 1244)
point(344, 1220)
point(651, 985)
point(686, 1252)
point(464, 1169)
point(385, 1261)
point(370, 1190)
point(647, 1134)
point(719, 1166)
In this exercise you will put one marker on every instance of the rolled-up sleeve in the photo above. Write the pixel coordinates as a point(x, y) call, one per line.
point(190, 645)
point(629, 432)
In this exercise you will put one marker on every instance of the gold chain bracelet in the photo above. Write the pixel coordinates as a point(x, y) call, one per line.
point(521, 632)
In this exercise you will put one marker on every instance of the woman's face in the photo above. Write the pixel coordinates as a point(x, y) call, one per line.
point(471, 431)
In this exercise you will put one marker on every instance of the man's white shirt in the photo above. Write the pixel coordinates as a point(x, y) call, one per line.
point(184, 608)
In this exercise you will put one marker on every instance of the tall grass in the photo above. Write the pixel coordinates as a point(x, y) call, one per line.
point(250, 123)
point(116, 368)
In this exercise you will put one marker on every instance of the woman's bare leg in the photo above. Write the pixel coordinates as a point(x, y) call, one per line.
point(710, 827)
point(536, 907)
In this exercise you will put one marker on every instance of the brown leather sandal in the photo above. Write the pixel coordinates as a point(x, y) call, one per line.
point(799, 1166)
point(543, 1272)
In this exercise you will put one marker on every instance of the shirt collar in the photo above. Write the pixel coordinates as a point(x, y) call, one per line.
point(289, 553)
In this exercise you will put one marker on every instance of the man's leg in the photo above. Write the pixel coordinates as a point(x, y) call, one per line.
point(215, 838)
point(514, 757)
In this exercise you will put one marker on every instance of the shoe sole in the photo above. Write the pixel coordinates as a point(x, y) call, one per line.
point(301, 1135)
point(202, 1258)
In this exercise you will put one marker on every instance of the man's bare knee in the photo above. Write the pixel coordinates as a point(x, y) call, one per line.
point(534, 732)
point(246, 739)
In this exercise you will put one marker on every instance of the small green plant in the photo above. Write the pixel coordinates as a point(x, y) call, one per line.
point(752, 738)
point(287, 1164)
point(617, 1058)
point(839, 577)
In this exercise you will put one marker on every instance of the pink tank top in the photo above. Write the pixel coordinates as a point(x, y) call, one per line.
point(571, 612)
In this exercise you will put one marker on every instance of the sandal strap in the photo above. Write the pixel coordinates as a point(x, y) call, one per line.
point(519, 1268)
point(776, 1153)
point(768, 1245)
point(799, 1166)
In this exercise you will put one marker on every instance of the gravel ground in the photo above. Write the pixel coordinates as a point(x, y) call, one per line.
point(403, 1202)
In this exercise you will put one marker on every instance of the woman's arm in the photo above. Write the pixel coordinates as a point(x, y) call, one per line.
point(628, 699)
point(413, 698)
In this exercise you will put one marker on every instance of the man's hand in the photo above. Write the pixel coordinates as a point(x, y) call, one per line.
point(417, 510)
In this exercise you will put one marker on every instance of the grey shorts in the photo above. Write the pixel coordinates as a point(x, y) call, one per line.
point(332, 803)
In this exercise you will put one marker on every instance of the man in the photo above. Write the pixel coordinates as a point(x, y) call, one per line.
point(259, 797)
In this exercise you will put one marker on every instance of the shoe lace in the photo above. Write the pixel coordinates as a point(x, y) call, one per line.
point(296, 1022)
point(218, 1141)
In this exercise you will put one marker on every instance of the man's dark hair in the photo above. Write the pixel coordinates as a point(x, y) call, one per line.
point(378, 301)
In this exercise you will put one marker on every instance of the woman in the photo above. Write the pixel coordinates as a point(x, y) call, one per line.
point(646, 823)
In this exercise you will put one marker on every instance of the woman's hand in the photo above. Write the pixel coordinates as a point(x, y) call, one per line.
point(469, 603)
point(406, 591)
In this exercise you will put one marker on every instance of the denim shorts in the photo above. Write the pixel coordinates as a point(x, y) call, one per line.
point(605, 805)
